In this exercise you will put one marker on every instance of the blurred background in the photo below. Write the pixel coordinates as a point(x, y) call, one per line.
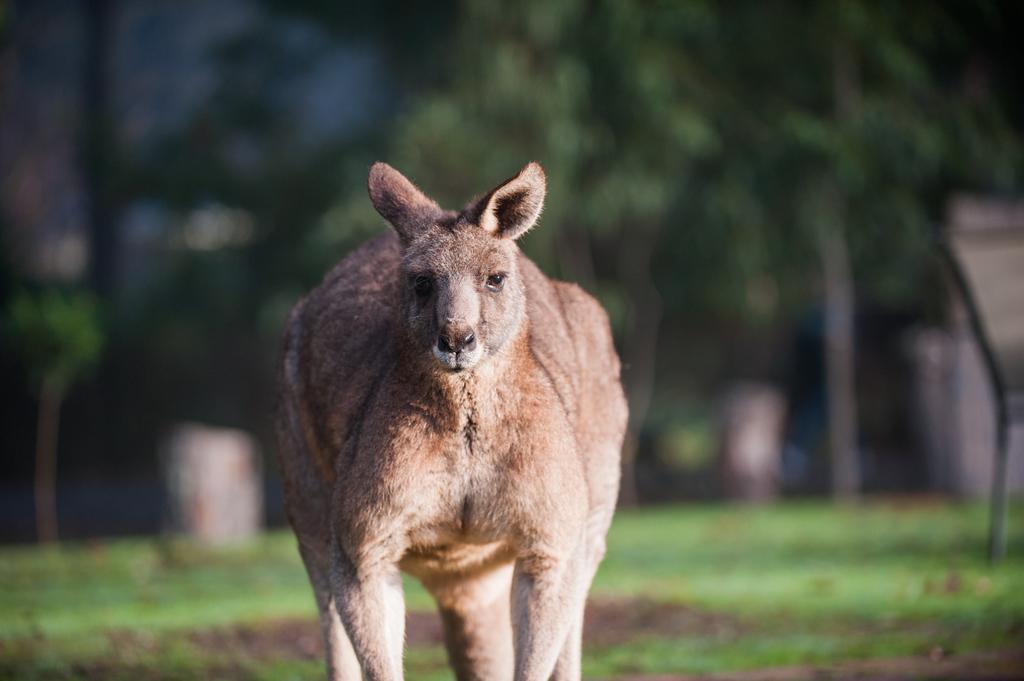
point(755, 191)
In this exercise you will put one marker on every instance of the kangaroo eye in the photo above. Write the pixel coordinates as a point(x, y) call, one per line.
point(495, 282)
point(422, 286)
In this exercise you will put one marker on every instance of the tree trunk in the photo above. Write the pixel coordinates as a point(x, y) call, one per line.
point(839, 361)
point(839, 295)
point(640, 345)
point(48, 424)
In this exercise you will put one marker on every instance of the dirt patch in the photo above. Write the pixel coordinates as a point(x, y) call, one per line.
point(281, 639)
point(1005, 665)
point(618, 621)
point(607, 623)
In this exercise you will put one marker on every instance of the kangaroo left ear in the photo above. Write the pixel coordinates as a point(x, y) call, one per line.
point(509, 210)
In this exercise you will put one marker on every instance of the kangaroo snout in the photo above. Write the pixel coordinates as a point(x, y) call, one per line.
point(456, 338)
point(456, 347)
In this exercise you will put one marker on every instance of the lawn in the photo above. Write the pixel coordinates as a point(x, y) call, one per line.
point(684, 590)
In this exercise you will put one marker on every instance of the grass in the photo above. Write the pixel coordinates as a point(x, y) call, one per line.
point(797, 583)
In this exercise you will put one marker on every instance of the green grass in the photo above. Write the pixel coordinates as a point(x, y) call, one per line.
point(810, 560)
point(796, 583)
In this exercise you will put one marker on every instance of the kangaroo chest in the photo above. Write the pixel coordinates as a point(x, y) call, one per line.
point(465, 518)
point(444, 490)
point(470, 477)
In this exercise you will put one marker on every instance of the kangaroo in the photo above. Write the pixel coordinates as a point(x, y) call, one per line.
point(448, 411)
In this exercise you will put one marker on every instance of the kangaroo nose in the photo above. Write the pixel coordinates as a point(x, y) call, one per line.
point(456, 340)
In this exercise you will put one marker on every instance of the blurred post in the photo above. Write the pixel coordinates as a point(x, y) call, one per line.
point(214, 483)
point(751, 419)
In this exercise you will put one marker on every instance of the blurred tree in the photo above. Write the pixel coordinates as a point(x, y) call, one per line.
point(870, 133)
point(59, 339)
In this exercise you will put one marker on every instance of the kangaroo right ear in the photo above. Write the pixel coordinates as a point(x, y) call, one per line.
point(400, 202)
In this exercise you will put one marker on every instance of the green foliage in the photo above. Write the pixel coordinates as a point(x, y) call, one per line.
point(58, 335)
point(688, 446)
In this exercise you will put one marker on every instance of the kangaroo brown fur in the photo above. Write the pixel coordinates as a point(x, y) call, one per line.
point(449, 411)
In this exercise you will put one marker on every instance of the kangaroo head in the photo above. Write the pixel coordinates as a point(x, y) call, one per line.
point(462, 297)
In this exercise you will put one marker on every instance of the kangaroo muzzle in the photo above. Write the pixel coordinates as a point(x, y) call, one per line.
point(457, 347)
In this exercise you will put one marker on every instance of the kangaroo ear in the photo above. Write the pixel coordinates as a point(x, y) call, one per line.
point(400, 202)
point(512, 208)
